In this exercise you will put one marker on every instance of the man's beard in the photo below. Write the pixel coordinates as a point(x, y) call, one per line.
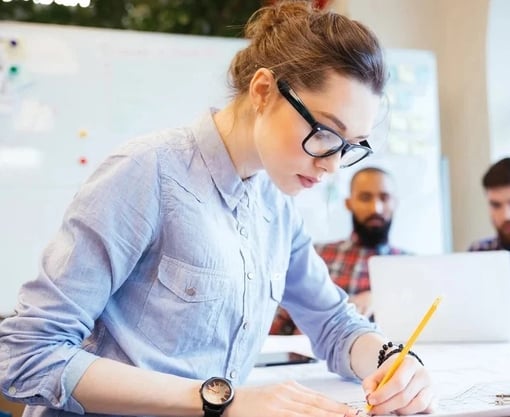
point(504, 238)
point(371, 236)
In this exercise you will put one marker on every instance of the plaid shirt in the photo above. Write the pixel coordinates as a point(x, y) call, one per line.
point(486, 244)
point(347, 262)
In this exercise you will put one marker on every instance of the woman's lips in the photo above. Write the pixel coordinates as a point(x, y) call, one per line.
point(308, 182)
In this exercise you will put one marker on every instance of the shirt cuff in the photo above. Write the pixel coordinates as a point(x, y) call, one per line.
point(74, 370)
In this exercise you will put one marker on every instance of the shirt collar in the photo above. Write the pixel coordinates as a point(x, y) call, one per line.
point(218, 161)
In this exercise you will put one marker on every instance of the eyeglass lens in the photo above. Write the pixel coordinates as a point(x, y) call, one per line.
point(325, 143)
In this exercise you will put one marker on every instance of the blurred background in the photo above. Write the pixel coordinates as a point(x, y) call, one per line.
point(197, 17)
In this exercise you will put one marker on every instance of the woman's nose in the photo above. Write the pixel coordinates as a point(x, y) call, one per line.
point(329, 163)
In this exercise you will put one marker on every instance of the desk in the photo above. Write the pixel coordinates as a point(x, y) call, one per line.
point(466, 376)
point(15, 409)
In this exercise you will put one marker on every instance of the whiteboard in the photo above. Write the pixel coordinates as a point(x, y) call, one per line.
point(70, 95)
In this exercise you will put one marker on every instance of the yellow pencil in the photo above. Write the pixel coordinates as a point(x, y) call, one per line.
point(408, 345)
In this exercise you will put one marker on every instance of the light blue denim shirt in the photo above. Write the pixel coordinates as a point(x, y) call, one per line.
point(166, 259)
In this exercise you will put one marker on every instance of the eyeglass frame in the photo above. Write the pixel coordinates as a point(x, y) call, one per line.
point(291, 96)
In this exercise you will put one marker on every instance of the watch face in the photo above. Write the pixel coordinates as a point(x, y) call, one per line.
point(217, 391)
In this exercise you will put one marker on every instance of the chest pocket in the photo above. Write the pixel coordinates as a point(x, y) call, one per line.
point(183, 307)
point(277, 286)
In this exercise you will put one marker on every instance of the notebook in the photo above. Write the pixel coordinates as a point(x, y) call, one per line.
point(476, 295)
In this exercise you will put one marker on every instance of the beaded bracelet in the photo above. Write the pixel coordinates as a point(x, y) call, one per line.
point(385, 353)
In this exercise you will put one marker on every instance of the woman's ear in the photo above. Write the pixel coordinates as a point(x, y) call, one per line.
point(261, 88)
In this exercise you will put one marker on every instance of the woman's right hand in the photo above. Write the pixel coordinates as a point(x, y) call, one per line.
point(286, 398)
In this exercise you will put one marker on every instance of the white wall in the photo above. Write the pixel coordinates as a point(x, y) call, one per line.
point(498, 77)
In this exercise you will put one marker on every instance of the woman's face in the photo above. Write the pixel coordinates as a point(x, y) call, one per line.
point(345, 105)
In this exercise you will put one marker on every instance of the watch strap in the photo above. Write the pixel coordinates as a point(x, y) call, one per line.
point(213, 412)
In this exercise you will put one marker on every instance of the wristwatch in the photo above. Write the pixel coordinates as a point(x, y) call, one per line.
point(217, 393)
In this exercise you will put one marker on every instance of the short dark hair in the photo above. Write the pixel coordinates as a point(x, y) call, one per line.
point(498, 175)
point(371, 170)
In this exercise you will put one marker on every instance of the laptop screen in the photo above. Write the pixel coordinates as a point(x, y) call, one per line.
point(475, 287)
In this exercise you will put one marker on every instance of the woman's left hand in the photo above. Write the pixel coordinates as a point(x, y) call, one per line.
point(409, 391)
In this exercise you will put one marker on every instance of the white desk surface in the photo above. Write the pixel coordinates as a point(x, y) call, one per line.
point(467, 377)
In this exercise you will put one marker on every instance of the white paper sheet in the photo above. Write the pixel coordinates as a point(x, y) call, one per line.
point(467, 377)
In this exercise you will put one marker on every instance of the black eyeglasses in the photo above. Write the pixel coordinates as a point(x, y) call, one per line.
point(322, 141)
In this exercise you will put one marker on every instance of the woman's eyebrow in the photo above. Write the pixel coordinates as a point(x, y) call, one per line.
point(341, 126)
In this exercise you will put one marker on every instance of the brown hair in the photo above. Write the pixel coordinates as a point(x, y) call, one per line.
point(301, 44)
point(498, 175)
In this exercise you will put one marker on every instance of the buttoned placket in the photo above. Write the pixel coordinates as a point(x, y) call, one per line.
point(241, 341)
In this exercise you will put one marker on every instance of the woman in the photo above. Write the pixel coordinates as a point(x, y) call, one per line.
point(174, 255)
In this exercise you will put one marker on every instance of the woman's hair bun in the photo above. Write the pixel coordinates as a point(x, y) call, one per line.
point(267, 19)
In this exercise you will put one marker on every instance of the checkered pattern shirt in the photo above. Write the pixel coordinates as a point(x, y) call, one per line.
point(486, 244)
point(347, 262)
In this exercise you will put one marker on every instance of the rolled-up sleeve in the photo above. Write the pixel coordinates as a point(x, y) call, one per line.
point(104, 232)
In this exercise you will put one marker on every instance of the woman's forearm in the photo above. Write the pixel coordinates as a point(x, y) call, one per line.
point(110, 387)
point(364, 354)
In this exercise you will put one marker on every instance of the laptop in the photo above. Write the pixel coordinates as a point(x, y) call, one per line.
point(475, 287)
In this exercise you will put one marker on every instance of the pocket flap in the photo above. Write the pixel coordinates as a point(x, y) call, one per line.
point(191, 283)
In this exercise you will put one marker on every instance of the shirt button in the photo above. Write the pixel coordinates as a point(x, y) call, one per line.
point(245, 326)
point(250, 275)
point(243, 232)
point(191, 291)
point(233, 374)
point(12, 390)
